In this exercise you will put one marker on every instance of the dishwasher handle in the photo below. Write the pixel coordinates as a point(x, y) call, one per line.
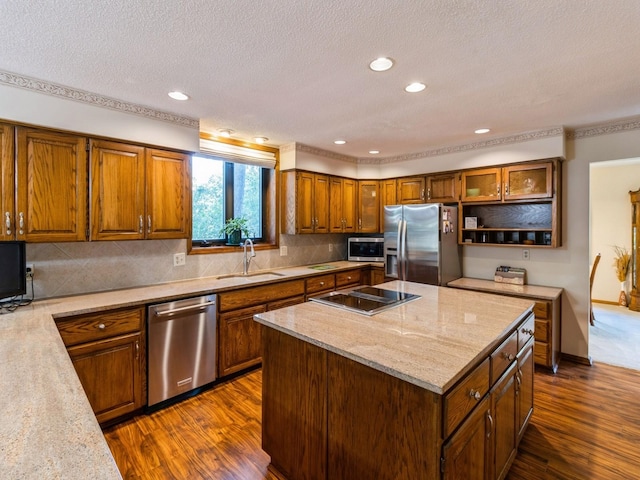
point(200, 307)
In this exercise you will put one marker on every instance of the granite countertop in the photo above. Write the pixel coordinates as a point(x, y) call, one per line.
point(431, 342)
point(47, 427)
point(489, 286)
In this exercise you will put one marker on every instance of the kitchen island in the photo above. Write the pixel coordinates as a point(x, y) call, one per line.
point(439, 387)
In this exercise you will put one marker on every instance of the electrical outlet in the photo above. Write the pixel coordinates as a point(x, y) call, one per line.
point(30, 270)
point(179, 259)
point(331, 247)
point(284, 251)
point(525, 254)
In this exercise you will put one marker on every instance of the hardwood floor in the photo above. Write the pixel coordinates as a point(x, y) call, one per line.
point(586, 425)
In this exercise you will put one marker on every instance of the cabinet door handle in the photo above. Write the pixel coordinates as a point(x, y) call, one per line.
point(21, 223)
point(422, 194)
point(8, 222)
point(102, 326)
point(506, 188)
point(359, 224)
point(137, 349)
point(490, 418)
point(428, 194)
point(498, 189)
point(149, 224)
point(140, 224)
point(475, 394)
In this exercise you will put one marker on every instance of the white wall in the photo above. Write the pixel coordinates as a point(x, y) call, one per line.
point(610, 183)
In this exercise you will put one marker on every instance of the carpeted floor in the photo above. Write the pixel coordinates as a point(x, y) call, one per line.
point(615, 337)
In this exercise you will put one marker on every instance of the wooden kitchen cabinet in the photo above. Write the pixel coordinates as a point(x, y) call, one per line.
point(513, 206)
point(305, 202)
point(524, 377)
point(388, 196)
point(7, 182)
point(368, 206)
point(108, 352)
point(343, 198)
point(239, 336)
point(239, 340)
point(502, 450)
point(410, 190)
point(634, 294)
point(138, 193)
point(51, 187)
point(443, 188)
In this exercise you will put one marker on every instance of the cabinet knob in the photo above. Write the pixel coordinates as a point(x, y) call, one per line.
point(475, 394)
point(102, 326)
point(322, 284)
point(509, 356)
point(349, 277)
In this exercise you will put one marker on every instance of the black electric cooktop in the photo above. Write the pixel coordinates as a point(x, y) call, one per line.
point(365, 300)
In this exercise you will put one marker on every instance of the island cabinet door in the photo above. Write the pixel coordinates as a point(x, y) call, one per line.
point(503, 410)
point(466, 453)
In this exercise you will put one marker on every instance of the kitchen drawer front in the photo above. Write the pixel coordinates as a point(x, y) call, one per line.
point(321, 283)
point(542, 330)
point(502, 356)
point(259, 295)
point(542, 353)
point(464, 397)
point(542, 310)
point(351, 277)
point(97, 326)
point(526, 331)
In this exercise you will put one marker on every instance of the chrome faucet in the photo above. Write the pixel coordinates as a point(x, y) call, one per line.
point(246, 261)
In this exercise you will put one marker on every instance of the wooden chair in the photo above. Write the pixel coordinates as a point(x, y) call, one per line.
point(592, 319)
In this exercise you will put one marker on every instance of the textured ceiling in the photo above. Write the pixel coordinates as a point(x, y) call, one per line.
point(297, 70)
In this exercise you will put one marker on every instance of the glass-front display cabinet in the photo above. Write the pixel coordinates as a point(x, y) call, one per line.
point(634, 296)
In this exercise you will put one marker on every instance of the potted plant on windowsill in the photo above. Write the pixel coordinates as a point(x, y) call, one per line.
point(234, 228)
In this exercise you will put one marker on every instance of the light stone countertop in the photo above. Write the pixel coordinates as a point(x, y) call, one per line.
point(489, 286)
point(47, 427)
point(431, 342)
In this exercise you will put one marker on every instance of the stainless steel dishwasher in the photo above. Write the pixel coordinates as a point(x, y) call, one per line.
point(181, 346)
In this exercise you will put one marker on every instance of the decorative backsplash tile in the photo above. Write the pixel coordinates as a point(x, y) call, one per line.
point(82, 267)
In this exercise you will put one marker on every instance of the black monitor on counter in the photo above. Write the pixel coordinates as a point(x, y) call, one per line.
point(13, 269)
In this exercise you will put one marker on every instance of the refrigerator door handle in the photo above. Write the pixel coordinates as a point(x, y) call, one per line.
point(403, 250)
point(399, 252)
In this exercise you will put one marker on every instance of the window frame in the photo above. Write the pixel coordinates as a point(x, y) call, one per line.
point(270, 204)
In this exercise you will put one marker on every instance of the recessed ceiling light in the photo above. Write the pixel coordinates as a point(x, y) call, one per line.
point(340, 142)
point(482, 130)
point(381, 64)
point(415, 87)
point(225, 132)
point(178, 95)
point(374, 152)
point(260, 139)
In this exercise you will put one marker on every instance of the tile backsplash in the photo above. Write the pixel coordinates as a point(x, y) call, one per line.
point(83, 267)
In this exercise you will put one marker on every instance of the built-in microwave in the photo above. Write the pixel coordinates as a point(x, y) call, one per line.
point(366, 249)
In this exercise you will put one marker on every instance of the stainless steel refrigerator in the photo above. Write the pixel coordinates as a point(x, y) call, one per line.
point(421, 243)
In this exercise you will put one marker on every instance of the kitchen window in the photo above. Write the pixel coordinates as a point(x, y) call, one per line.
point(228, 184)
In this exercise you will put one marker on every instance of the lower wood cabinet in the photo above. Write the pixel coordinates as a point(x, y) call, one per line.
point(239, 340)
point(108, 352)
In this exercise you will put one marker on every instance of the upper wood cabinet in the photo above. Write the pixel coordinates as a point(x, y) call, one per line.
point(388, 196)
point(517, 182)
point(410, 190)
point(138, 193)
point(305, 202)
point(342, 205)
point(368, 206)
point(444, 188)
point(51, 187)
point(7, 182)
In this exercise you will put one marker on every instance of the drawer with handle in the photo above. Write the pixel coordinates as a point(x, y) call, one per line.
point(503, 356)
point(465, 396)
point(321, 283)
point(96, 326)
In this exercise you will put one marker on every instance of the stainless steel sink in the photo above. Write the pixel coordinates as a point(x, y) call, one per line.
point(267, 275)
